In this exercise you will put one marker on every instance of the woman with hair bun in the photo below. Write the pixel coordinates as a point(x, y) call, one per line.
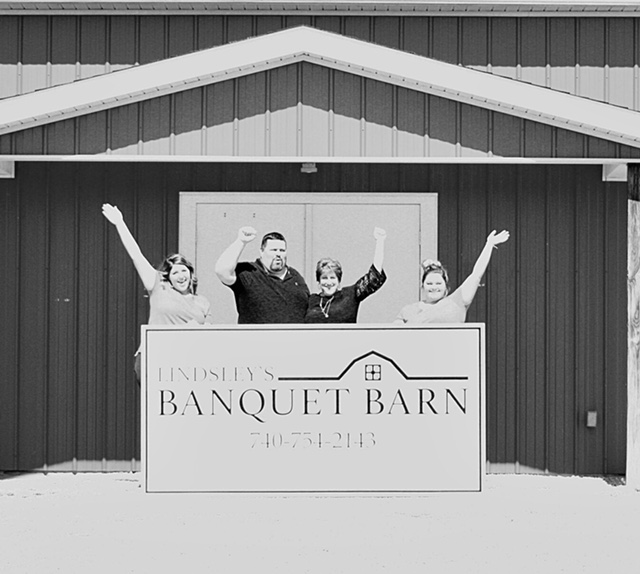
point(436, 305)
point(172, 288)
point(335, 304)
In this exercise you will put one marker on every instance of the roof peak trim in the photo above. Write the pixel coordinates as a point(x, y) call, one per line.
point(352, 56)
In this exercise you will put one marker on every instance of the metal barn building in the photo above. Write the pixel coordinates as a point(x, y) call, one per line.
point(522, 116)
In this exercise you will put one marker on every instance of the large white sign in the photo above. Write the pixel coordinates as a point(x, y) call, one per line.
point(313, 409)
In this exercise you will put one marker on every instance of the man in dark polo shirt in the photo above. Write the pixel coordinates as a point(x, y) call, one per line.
point(267, 290)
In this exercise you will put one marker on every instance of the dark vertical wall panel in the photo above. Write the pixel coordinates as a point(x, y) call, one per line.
point(34, 319)
point(283, 136)
point(92, 344)
point(181, 36)
point(156, 126)
point(561, 327)
point(532, 297)
point(9, 55)
point(614, 419)
point(62, 301)
point(501, 316)
point(621, 49)
point(9, 326)
point(474, 38)
point(64, 50)
point(347, 98)
point(316, 84)
point(35, 54)
point(123, 42)
point(379, 104)
point(534, 39)
point(387, 31)
point(152, 39)
point(562, 54)
point(553, 299)
point(589, 320)
point(93, 55)
point(504, 47)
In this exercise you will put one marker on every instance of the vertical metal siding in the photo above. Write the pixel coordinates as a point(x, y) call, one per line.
point(621, 62)
point(33, 320)
point(124, 133)
point(9, 326)
point(285, 124)
point(64, 50)
point(589, 320)
point(317, 124)
point(93, 46)
point(347, 102)
point(533, 37)
point(504, 50)
point(220, 104)
point(122, 42)
point(379, 114)
point(305, 109)
point(614, 421)
point(34, 64)
point(474, 43)
point(554, 300)
point(501, 317)
point(592, 57)
point(152, 39)
point(411, 121)
point(156, 126)
point(475, 131)
point(9, 55)
point(591, 47)
point(252, 98)
point(443, 127)
point(561, 328)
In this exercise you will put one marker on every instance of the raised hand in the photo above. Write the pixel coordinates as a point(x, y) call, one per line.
point(112, 213)
point(247, 234)
point(379, 233)
point(497, 238)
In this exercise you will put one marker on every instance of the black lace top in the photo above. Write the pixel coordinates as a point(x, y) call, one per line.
point(342, 306)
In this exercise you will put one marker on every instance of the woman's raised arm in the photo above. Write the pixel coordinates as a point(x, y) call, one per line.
point(471, 283)
point(145, 270)
point(380, 235)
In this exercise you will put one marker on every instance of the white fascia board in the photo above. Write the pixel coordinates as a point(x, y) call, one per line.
point(331, 50)
point(611, 164)
point(314, 7)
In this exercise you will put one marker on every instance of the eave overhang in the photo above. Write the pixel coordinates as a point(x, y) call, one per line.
point(352, 56)
point(318, 7)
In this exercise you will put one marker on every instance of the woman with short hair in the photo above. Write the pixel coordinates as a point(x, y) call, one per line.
point(337, 304)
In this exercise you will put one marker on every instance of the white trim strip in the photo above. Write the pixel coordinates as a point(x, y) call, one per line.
point(547, 8)
point(320, 160)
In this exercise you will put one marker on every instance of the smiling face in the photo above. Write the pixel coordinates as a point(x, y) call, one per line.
point(274, 255)
point(180, 278)
point(329, 283)
point(434, 287)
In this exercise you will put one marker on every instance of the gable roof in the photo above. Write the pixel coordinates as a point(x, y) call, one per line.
point(331, 50)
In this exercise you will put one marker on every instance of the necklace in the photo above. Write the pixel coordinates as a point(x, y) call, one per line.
point(324, 307)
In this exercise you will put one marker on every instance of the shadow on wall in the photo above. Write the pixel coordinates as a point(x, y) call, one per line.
point(305, 109)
